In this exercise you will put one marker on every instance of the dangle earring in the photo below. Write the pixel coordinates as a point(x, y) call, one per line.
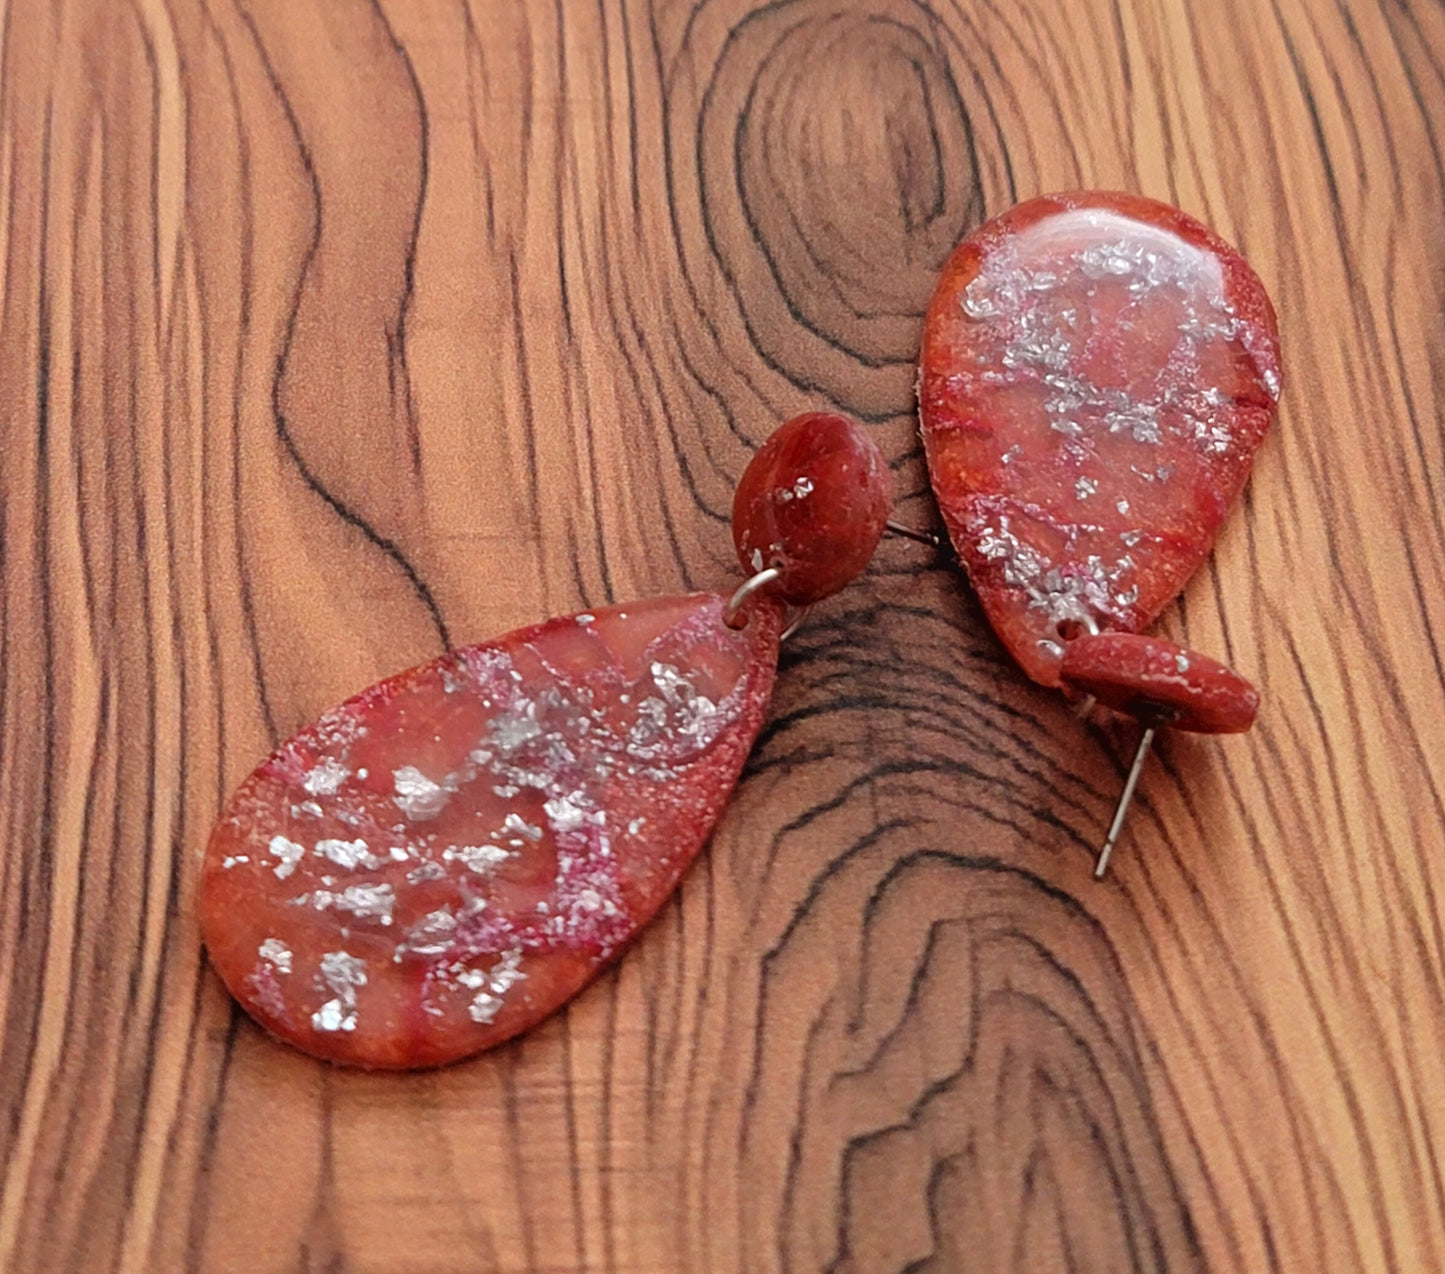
point(1097, 373)
point(449, 856)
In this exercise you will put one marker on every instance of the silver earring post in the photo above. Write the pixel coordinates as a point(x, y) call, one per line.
point(1130, 783)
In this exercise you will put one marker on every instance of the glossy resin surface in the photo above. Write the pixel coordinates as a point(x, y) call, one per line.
point(1097, 373)
point(443, 860)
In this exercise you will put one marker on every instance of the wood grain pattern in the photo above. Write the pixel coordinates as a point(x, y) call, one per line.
point(336, 330)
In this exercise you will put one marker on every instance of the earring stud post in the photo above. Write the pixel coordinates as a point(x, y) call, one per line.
point(912, 533)
point(1130, 783)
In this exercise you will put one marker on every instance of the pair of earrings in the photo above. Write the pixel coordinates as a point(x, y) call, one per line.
point(445, 859)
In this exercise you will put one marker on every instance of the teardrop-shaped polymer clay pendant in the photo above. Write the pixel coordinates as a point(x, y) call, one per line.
point(449, 856)
point(1097, 373)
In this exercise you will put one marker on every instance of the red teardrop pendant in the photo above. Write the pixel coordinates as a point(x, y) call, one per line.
point(446, 858)
point(1097, 373)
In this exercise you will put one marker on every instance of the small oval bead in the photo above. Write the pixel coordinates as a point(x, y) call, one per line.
point(1159, 683)
point(813, 503)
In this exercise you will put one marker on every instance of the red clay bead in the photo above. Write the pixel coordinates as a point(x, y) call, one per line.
point(1159, 683)
point(813, 503)
point(445, 859)
point(1097, 372)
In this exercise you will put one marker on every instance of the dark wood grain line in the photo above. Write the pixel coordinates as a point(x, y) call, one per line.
point(37, 884)
point(198, 1216)
point(574, 1157)
point(251, 633)
point(284, 435)
point(516, 1142)
point(398, 373)
point(528, 411)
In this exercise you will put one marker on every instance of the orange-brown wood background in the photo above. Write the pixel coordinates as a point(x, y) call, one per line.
point(335, 331)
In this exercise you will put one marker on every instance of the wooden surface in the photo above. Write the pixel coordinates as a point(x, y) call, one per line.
point(334, 331)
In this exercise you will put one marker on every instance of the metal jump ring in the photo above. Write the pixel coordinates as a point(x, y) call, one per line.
point(745, 590)
point(750, 586)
